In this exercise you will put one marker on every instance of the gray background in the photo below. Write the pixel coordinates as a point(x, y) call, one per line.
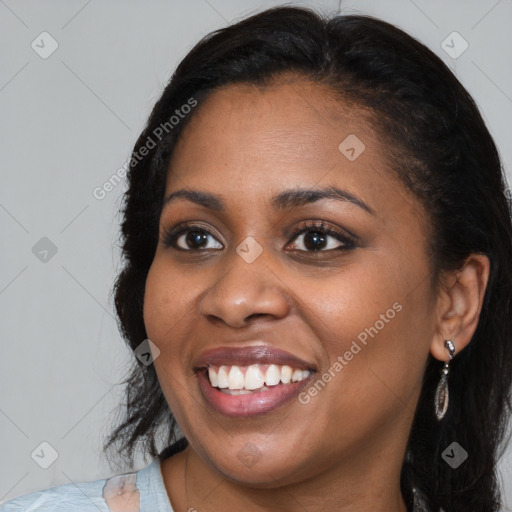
point(68, 124)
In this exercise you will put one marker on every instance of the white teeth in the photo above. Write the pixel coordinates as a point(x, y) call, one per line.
point(253, 377)
point(296, 375)
point(286, 374)
point(272, 375)
point(232, 378)
point(222, 377)
point(236, 378)
point(214, 380)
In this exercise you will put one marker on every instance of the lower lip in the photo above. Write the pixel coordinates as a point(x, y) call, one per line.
point(257, 402)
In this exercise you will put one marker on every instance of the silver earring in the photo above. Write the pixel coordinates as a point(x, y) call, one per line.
point(441, 398)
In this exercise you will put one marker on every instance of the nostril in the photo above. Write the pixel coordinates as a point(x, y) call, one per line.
point(255, 315)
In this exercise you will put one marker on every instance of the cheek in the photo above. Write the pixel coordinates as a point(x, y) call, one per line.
point(376, 327)
point(169, 307)
point(166, 302)
point(167, 311)
point(343, 305)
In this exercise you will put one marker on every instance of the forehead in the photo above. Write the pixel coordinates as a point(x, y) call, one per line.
point(248, 145)
point(293, 129)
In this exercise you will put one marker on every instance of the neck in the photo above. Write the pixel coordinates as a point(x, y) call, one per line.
point(358, 485)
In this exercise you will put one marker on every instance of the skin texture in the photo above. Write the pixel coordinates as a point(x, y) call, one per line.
point(344, 449)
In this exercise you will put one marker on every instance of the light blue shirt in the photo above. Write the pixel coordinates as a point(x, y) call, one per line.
point(141, 491)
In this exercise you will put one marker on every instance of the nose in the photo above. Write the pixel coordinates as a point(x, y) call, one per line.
point(244, 291)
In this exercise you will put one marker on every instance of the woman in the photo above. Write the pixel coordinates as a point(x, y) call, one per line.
point(317, 281)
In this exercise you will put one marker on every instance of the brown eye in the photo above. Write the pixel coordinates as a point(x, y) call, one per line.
point(191, 239)
point(321, 238)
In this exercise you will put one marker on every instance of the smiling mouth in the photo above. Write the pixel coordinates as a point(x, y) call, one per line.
point(244, 391)
point(240, 380)
point(243, 381)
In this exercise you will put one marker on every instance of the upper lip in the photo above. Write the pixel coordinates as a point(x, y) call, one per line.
point(247, 355)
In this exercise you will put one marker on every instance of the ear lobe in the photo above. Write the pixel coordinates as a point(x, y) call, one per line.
point(460, 304)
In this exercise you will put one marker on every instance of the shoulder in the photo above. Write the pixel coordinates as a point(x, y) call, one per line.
point(109, 495)
point(140, 491)
point(70, 497)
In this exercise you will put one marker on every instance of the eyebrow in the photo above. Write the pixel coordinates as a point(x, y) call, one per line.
point(287, 199)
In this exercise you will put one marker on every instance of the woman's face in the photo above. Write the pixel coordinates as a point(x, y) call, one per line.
point(276, 275)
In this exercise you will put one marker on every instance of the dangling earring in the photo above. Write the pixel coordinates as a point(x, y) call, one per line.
point(441, 398)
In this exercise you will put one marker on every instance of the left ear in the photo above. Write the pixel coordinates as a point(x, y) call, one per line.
point(459, 304)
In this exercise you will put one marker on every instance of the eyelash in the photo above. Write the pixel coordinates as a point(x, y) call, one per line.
point(172, 234)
